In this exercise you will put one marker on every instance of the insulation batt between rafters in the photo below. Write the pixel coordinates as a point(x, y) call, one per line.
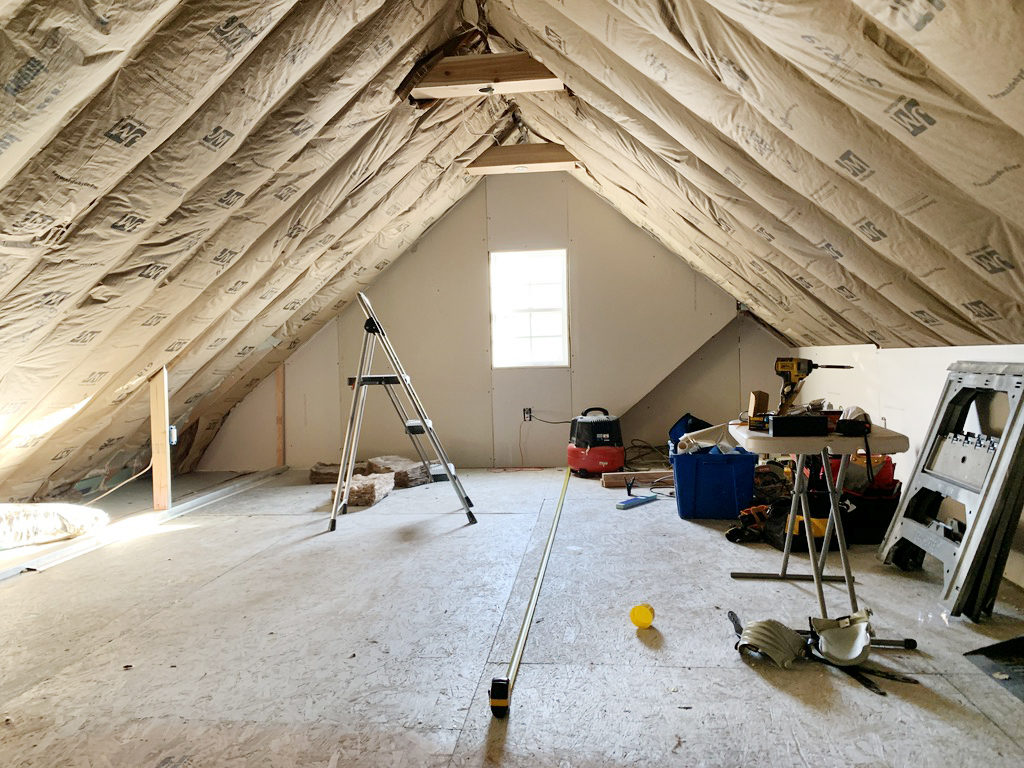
point(203, 184)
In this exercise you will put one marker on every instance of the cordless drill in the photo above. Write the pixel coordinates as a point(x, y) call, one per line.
point(793, 371)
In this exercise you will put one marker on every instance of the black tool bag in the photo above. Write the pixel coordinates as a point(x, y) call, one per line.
point(865, 517)
point(869, 514)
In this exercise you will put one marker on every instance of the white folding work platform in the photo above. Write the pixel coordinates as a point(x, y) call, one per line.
point(880, 441)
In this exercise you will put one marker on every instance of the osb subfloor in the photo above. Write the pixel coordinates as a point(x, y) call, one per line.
point(243, 635)
point(132, 498)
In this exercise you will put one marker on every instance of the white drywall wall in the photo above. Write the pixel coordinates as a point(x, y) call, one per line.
point(251, 441)
point(431, 304)
point(714, 384)
point(311, 406)
point(636, 312)
point(900, 389)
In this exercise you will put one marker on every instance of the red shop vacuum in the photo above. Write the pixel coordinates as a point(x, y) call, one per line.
point(595, 443)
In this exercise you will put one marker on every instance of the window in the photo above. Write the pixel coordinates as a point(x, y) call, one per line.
point(529, 309)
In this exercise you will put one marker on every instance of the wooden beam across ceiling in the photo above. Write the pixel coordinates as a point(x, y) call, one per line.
point(522, 158)
point(471, 75)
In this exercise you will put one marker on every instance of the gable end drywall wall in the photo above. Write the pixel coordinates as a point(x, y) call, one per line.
point(636, 312)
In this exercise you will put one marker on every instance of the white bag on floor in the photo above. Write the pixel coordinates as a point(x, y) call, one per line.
point(24, 524)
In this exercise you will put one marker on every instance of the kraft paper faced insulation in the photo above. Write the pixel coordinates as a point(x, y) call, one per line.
point(205, 184)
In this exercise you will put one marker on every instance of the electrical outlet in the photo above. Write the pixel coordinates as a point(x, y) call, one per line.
point(527, 414)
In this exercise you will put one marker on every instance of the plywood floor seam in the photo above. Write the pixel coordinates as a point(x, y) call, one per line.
point(482, 682)
point(253, 638)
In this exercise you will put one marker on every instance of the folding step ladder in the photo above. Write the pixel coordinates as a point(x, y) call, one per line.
point(984, 472)
point(416, 426)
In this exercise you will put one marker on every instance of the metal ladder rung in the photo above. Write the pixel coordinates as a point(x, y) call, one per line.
point(415, 427)
point(437, 473)
point(955, 491)
point(376, 379)
point(953, 484)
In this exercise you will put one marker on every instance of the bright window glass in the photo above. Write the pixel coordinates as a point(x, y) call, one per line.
point(529, 309)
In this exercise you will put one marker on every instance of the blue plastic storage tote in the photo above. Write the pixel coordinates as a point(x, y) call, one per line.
point(713, 485)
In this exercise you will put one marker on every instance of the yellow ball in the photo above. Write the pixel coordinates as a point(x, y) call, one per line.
point(642, 615)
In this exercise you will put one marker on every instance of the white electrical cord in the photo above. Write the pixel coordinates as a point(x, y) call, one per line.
point(123, 482)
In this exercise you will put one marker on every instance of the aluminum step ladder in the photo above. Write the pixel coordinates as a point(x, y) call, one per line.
point(982, 471)
point(414, 418)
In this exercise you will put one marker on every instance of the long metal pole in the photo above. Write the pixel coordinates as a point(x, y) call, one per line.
point(501, 687)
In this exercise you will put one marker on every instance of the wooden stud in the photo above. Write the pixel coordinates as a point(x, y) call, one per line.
point(618, 479)
point(485, 73)
point(522, 158)
point(279, 382)
point(159, 421)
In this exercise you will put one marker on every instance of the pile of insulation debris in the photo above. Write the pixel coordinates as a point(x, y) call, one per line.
point(22, 525)
point(375, 478)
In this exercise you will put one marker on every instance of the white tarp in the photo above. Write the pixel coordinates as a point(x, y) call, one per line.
point(203, 184)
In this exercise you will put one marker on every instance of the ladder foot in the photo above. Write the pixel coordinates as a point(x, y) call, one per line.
point(332, 525)
point(471, 517)
point(469, 502)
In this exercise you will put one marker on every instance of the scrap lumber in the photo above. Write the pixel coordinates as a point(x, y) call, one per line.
point(159, 421)
point(618, 479)
point(408, 473)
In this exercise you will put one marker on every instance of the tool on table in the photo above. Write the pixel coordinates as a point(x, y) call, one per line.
point(984, 472)
point(793, 371)
point(854, 422)
point(595, 444)
point(414, 427)
point(500, 692)
point(804, 425)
